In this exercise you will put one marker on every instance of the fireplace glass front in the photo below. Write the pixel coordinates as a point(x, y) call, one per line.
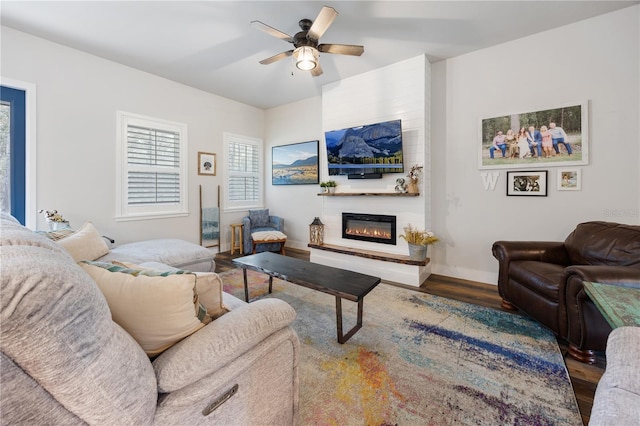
point(369, 227)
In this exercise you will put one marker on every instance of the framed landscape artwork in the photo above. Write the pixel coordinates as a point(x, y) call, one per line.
point(555, 136)
point(527, 183)
point(295, 164)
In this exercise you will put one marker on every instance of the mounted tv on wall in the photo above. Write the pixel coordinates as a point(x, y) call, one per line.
point(364, 150)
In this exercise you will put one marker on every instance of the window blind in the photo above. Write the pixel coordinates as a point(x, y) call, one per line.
point(153, 159)
point(244, 179)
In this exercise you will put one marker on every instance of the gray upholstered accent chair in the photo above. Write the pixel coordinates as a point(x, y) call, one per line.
point(259, 220)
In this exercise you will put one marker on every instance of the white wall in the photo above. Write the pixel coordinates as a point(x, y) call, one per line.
point(397, 91)
point(595, 60)
point(297, 204)
point(77, 98)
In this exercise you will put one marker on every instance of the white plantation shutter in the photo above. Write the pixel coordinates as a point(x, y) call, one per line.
point(242, 168)
point(153, 178)
point(153, 162)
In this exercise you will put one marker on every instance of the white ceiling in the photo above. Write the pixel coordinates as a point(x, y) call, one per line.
point(211, 45)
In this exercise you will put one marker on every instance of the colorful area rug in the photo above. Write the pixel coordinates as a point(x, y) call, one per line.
point(420, 360)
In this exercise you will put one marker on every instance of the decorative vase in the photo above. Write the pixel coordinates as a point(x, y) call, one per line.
point(332, 190)
point(412, 186)
point(56, 226)
point(417, 251)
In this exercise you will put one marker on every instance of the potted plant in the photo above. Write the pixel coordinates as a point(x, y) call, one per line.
point(323, 186)
point(331, 186)
point(418, 240)
point(54, 219)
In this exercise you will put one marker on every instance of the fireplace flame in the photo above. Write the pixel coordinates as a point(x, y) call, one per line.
point(368, 232)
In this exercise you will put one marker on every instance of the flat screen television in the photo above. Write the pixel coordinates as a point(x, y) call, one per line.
point(374, 148)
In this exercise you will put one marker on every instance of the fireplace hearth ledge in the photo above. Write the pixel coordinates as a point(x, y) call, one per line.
point(370, 254)
point(389, 267)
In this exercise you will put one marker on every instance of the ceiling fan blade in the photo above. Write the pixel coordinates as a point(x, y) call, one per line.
point(342, 49)
point(317, 70)
point(276, 58)
point(323, 21)
point(272, 31)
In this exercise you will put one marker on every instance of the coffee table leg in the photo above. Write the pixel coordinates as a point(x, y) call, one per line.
point(270, 283)
point(342, 338)
point(246, 285)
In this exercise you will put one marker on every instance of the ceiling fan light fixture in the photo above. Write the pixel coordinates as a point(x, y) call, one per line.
point(306, 58)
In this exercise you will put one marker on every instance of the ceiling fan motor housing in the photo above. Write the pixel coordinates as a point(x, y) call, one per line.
point(300, 39)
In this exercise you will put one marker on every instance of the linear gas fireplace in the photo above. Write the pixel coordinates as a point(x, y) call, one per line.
point(374, 228)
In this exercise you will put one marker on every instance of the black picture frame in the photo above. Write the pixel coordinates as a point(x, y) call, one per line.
point(295, 164)
point(527, 183)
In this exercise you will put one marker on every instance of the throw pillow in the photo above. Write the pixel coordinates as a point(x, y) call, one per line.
point(157, 309)
point(208, 285)
point(85, 243)
point(259, 218)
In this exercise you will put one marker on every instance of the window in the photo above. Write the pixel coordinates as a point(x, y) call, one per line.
point(242, 172)
point(152, 176)
point(18, 158)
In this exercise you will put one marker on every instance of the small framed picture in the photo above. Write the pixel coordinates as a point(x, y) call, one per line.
point(569, 179)
point(527, 183)
point(206, 164)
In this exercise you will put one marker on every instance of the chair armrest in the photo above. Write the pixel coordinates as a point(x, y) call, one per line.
point(606, 274)
point(587, 328)
point(541, 251)
point(220, 342)
point(277, 222)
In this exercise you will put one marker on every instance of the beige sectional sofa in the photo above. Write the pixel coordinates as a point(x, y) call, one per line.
point(63, 360)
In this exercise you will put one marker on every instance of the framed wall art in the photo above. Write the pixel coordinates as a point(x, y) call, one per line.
point(554, 136)
point(527, 183)
point(569, 179)
point(295, 164)
point(206, 164)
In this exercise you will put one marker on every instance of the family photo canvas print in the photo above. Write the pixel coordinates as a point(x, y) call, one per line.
point(547, 137)
point(295, 164)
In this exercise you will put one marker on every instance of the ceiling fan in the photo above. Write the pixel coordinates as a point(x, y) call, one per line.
point(307, 50)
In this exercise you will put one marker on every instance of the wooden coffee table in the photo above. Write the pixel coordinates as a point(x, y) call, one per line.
point(340, 283)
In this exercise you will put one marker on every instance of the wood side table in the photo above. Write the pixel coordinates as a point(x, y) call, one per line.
point(236, 244)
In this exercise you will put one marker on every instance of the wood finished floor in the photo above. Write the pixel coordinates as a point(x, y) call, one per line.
point(583, 377)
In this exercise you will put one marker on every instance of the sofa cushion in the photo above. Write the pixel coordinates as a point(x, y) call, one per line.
point(268, 236)
point(157, 309)
point(173, 252)
point(57, 330)
point(604, 243)
point(259, 218)
point(85, 243)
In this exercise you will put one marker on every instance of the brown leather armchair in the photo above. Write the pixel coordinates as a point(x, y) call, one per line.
point(544, 280)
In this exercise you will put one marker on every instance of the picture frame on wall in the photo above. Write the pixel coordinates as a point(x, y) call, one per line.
point(562, 130)
point(295, 164)
point(527, 183)
point(569, 179)
point(206, 163)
